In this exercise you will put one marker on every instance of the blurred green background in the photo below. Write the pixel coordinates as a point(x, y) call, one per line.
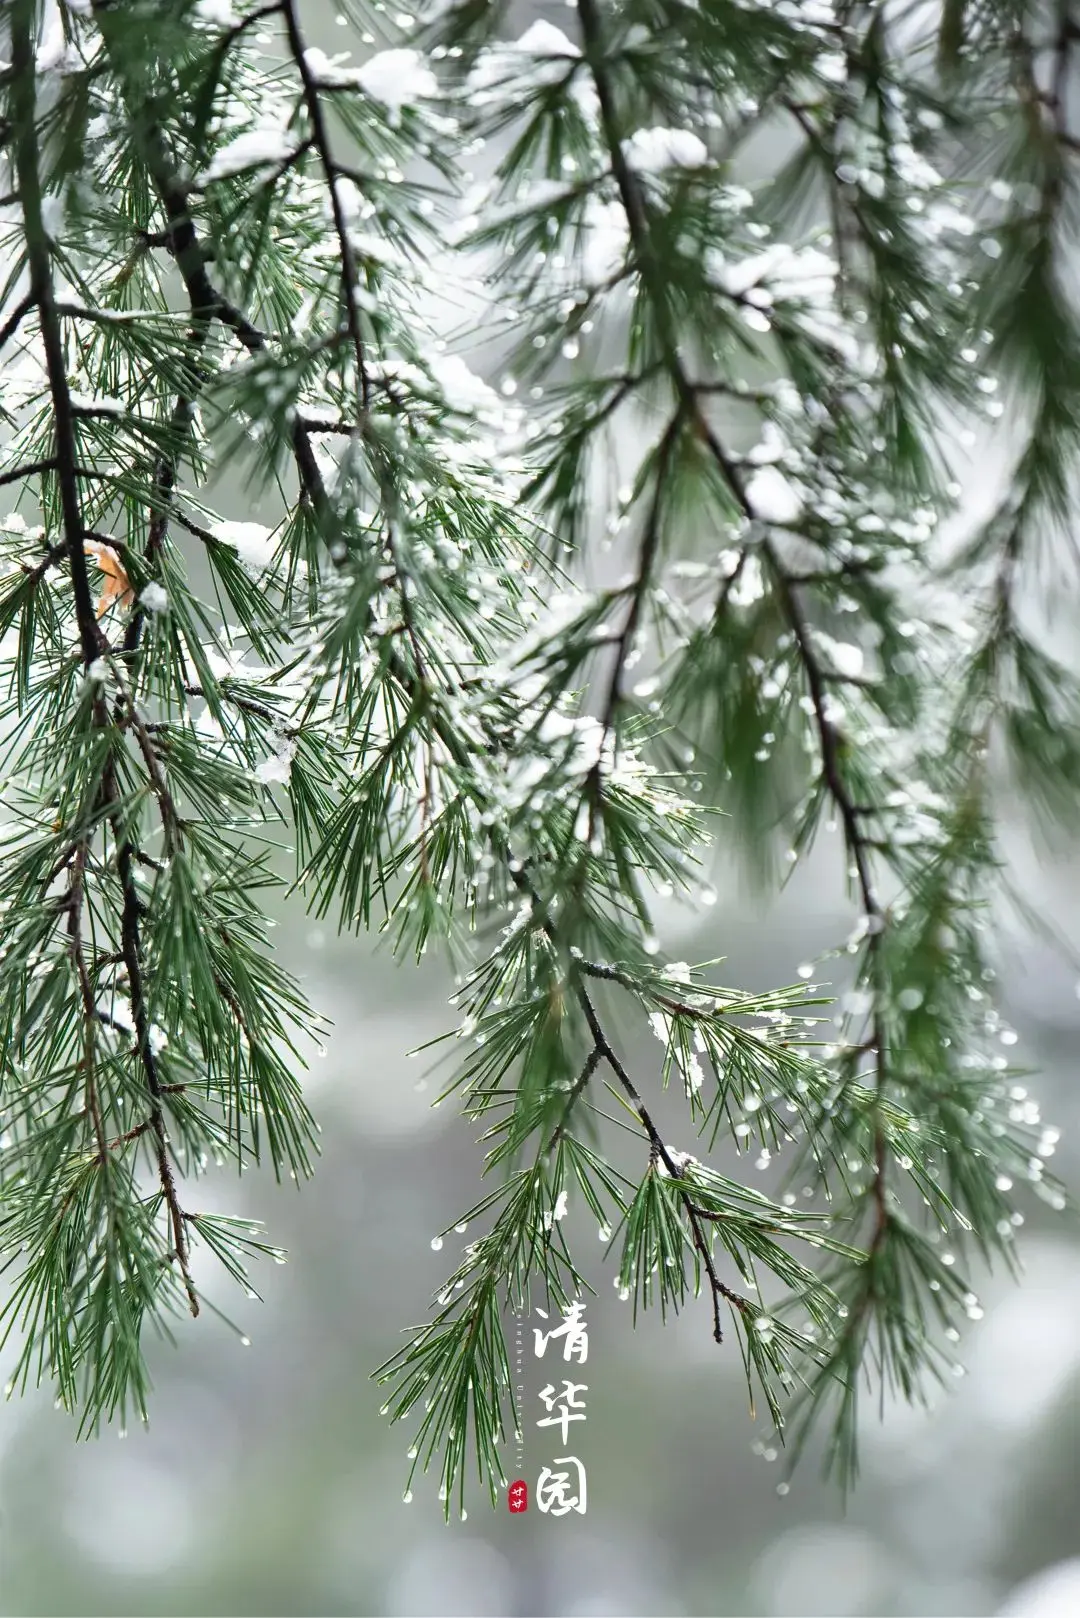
point(268, 1482)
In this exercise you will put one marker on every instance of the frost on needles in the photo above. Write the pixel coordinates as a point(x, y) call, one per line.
point(691, 544)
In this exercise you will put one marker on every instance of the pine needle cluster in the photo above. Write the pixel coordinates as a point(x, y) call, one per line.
point(690, 546)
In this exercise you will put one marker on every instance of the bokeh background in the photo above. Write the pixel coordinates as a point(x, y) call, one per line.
point(269, 1483)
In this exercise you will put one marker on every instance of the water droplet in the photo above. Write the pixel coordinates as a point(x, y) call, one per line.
point(783, 1488)
point(407, 1497)
point(436, 1243)
point(707, 896)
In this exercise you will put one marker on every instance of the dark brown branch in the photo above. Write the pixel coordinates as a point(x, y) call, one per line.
point(167, 810)
point(720, 1292)
point(53, 554)
point(31, 469)
point(15, 319)
point(64, 460)
point(350, 286)
point(249, 20)
point(164, 487)
point(592, 1062)
point(132, 949)
point(321, 139)
point(92, 641)
point(74, 901)
point(638, 590)
point(138, 1131)
point(259, 710)
point(126, 1138)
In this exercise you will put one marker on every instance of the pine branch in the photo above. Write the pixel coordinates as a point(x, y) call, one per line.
point(74, 902)
point(133, 961)
point(602, 1049)
point(331, 173)
point(65, 459)
point(637, 216)
point(658, 1150)
point(93, 642)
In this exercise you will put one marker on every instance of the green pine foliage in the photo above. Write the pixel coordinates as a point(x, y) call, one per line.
point(751, 381)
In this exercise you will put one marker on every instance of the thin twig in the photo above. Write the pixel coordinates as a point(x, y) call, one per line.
point(592, 1062)
point(15, 319)
point(74, 900)
point(660, 1150)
